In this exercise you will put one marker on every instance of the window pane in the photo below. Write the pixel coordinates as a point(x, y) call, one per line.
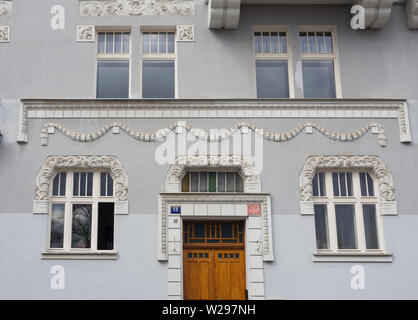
point(103, 184)
point(311, 42)
point(55, 185)
point(162, 42)
point(303, 42)
point(203, 182)
point(321, 226)
point(346, 232)
point(194, 182)
point(57, 225)
point(81, 226)
point(239, 186)
point(266, 42)
point(335, 184)
point(318, 79)
point(76, 183)
point(82, 184)
point(370, 185)
point(105, 226)
point(126, 42)
point(363, 185)
point(221, 182)
point(118, 42)
point(274, 42)
point(230, 181)
point(212, 181)
point(349, 184)
point(226, 229)
point(185, 183)
point(158, 79)
point(272, 79)
point(170, 42)
point(322, 191)
point(101, 43)
point(109, 42)
point(257, 42)
point(113, 79)
point(343, 185)
point(154, 42)
point(370, 227)
point(109, 185)
point(328, 42)
point(283, 42)
point(63, 180)
point(320, 42)
point(89, 184)
point(315, 186)
point(145, 42)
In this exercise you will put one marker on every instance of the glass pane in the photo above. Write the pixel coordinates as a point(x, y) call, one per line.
point(145, 42)
point(203, 182)
point(272, 79)
point(343, 185)
point(266, 42)
point(162, 42)
point(76, 183)
point(315, 186)
point(194, 181)
point(154, 42)
point(118, 42)
point(63, 180)
point(274, 42)
point(89, 184)
point(303, 42)
point(55, 185)
point(81, 226)
point(101, 43)
point(185, 183)
point(103, 184)
point(82, 184)
point(328, 42)
point(230, 182)
point(363, 185)
point(311, 42)
point(335, 184)
point(370, 185)
point(322, 192)
point(283, 42)
point(321, 226)
point(105, 226)
point(57, 226)
point(226, 229)
point(221, 182)
point(199, 230)
point(239, 186)
point(318, 79)
point(109, 185)
point(257, 42)
point(158, 79)
point(370, 227)
point(212, 181)
point(349, 184)
point(113, 79)
point(320, 42)
point(170, 46)
point(346, 232)
point(109, 42)
point(126, 42)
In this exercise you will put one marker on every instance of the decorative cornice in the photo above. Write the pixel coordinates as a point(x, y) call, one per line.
point(218, 136)
point(86, 33)
point(370, 162)
point(224, 14)
point(54, 163)
point(240, 108)
point(5, 8)
point(4, 33)
point(412, 13)
point(136, 7)
point(185, 33)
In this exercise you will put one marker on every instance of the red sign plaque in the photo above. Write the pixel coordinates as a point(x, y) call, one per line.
point(254, 209)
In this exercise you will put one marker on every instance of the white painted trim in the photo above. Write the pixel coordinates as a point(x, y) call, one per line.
point(352, 257)
point(79, 255)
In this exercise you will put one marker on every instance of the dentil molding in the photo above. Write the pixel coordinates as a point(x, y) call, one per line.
point(53, 163)
point(369, 162)
point(136, 7)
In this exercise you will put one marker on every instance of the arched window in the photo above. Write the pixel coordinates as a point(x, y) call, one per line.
point(212, 181)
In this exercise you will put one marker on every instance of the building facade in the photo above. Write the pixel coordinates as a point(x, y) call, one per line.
point(193, 149)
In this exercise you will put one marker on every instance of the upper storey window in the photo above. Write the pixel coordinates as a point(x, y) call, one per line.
point(113, 64)
point(271, 62)
point(212, 182)
point(319, 62)
point(158, 55)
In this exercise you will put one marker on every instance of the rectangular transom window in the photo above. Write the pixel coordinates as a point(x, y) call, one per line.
point(346, 212)
point(272, 62)
point(212, 182)
point(213, 232)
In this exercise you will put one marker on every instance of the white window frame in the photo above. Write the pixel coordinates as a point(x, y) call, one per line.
point(334, 56)
point(158, 56)
point(329, 200)
point(275, 56)
point(113, 56)
point(68, 200)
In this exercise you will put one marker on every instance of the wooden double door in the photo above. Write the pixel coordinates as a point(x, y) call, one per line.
point(214, 271)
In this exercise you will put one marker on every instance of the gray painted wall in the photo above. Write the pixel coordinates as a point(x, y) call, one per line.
point(43, 63)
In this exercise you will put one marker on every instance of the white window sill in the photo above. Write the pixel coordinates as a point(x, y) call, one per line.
point(352, 257)
point(79, 255)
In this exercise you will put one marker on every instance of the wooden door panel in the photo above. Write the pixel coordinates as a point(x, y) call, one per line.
point(197, 275)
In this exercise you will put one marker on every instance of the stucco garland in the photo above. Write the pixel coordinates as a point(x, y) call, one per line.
point(219, 136)
point(53, 163)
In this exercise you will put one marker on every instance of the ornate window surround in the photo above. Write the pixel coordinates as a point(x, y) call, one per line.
point(383, 176)
point(54, 163)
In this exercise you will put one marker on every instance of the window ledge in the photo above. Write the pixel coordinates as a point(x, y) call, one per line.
point(79, 255)
point(352, 257)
